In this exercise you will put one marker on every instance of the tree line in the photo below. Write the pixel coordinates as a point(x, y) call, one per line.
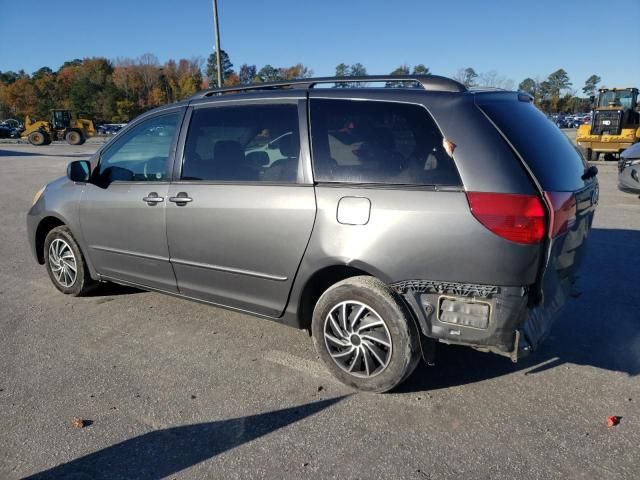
point(118, 90)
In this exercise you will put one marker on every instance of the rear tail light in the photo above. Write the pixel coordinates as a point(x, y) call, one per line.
point(518, 218)
point(563, 211)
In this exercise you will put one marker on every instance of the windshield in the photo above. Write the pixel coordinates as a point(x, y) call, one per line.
point(618, 98)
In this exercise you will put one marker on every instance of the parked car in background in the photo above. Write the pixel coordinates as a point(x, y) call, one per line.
point(109, 128)
point(381, 226)
point(6, 131)
point(574, 122)
point(10, 128)
point(629, 170)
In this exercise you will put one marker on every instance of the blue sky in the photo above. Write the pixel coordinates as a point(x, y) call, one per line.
point(516, 38)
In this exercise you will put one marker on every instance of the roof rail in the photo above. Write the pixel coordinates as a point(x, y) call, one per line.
point(427, 82)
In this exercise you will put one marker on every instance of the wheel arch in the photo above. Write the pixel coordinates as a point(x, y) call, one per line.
point(318, 282)
point(44, 227)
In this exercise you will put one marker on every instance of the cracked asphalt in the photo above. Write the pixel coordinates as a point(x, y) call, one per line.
point(175, 389)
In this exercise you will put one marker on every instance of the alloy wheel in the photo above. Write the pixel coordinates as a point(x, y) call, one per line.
point(62, 262)
point(357, 339)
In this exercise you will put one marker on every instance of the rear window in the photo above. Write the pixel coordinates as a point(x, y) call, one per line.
point(378, 143)
point(550, 155)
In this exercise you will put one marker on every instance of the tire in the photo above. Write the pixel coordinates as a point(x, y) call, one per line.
point(609, 157)
point(376, 366)
point(37, 138)
point(589, 154)
point(62, 253)
point(74, 137)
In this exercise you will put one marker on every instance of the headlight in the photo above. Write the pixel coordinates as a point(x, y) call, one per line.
point(37, 196)
point(634, 162)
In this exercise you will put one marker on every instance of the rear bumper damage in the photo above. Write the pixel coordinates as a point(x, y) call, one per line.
point(489, 318)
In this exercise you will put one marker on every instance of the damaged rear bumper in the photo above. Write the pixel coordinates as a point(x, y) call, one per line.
point(489, 318)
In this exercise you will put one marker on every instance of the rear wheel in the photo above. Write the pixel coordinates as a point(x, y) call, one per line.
point(589, 154)
point(37, 138)
point(74, 137)
point(365, 335)
point(65, 264)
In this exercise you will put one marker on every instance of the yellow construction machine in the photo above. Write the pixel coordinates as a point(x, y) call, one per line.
point(615, 123)
point(62, 126)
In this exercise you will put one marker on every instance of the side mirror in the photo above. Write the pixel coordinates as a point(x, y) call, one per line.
point(79, 171)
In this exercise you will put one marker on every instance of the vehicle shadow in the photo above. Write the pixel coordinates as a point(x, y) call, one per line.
point(161, 453)
point(600, 328)
point(111, 290)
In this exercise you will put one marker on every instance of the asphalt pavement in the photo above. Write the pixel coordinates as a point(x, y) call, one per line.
point(176, 389)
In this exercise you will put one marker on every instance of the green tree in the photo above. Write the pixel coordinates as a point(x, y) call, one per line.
point(552, 88)
point(343, 70)
point(466, 76)
point(529, 85)
point(41, 72)
point(212, 67)
point(355, 70)
point(358, 70)
point(591, 85)
point(70, 63)
point(420, 69)
point(401, 70)
point(8, 77)
point(558, 81)
point(247, 74)
point(269, 74)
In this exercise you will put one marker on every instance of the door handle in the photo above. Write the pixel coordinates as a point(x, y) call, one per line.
point(181, 199)
point(152, 199)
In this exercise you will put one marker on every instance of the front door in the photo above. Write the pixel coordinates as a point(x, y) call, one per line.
point(122, 213)
point(240, 215)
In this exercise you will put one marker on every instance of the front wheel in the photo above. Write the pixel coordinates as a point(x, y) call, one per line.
point(37, 138)
point(365, 334)
point(65, 264)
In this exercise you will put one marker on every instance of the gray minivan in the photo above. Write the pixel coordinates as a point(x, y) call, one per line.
point(383, 220)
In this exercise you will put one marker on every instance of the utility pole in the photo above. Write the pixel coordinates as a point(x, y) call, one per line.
point(217, 35)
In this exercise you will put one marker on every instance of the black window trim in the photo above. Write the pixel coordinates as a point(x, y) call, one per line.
point(328, 96)
point(181, 110)
point(304, 156)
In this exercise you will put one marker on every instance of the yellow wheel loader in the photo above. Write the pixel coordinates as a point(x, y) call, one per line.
point(62, 126)
point(615, 123)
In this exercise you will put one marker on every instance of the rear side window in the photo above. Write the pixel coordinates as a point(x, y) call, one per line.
point(248, 143)
point(553, 159)
point(378, 142)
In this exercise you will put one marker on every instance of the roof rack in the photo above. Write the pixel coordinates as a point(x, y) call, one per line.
point(427, 82)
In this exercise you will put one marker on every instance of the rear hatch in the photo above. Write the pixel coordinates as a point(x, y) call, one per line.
point(570, 191)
